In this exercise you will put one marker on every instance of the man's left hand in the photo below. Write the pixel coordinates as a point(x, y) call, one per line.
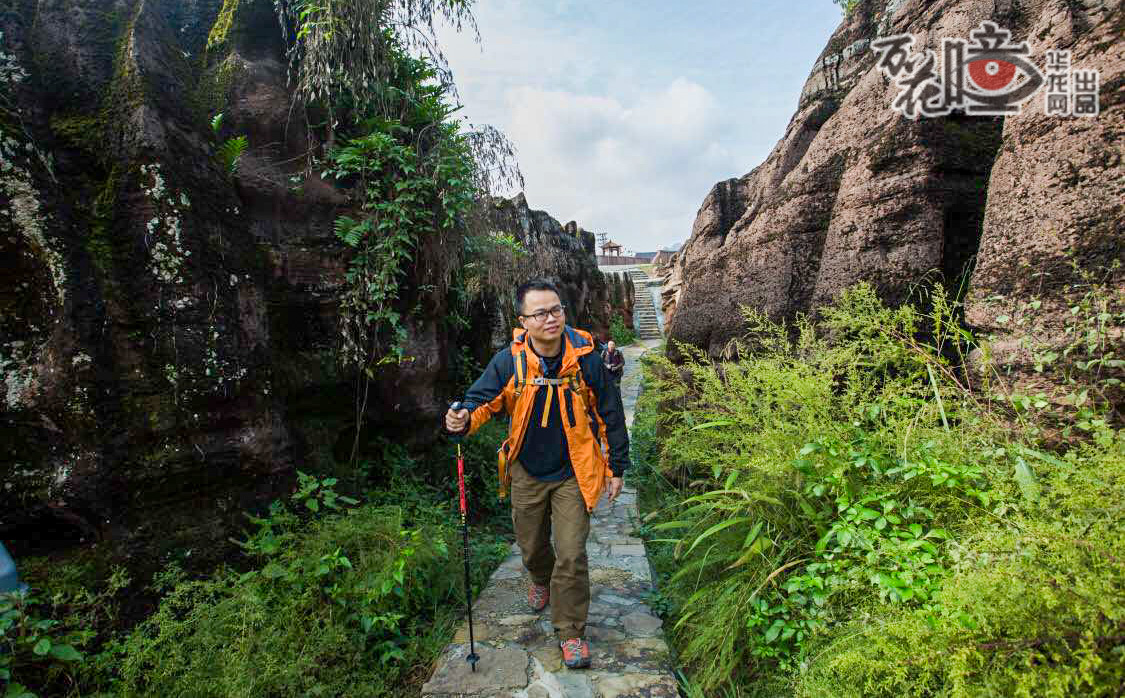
point(613, 487)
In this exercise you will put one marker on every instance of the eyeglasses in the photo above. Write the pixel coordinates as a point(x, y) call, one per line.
point(540, 316)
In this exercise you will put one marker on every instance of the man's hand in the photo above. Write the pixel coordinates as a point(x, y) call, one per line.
point(455, 421)
point(613, 487)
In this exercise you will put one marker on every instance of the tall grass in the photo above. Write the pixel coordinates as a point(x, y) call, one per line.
point(844, 511)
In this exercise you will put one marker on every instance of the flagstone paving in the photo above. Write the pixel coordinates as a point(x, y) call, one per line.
point(519, 657)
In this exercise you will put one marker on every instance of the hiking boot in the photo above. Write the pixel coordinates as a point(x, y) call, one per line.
point(538, 596)
point(576, 653)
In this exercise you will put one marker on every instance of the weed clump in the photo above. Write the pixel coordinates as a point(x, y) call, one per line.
point(843, 511)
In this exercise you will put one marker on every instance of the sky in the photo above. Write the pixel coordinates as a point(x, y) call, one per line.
point(625, 113)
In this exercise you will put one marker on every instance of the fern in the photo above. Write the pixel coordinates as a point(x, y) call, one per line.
point(350, 231)
point(230, 152)
point(217, 124)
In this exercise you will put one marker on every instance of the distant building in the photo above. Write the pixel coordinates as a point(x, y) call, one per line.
point(611, 249)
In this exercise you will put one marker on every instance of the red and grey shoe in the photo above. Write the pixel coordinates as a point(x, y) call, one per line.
point(576, 653)
point(538, 596)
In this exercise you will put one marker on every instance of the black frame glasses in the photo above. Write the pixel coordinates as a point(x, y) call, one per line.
point(540, 316)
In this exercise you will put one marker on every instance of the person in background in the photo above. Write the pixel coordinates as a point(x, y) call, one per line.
point(567, 443)
point(614, 362)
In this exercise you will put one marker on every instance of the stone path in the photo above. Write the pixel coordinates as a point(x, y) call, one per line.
point(518, 654)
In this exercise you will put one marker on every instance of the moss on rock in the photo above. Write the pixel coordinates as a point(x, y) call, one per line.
point(220, 33)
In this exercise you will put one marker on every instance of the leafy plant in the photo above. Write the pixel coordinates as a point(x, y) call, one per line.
point(828, 514)
point(346, 51)
point(620, 333)
point(33, 646)
point(314, 493)
point(336, 606)
point(230, 153)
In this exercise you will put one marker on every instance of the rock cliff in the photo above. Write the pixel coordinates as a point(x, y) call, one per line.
point(168, 330)
point(854, 191)
point(563, 255)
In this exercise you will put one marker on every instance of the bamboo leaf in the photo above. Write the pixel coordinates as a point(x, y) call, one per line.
point(715, 529)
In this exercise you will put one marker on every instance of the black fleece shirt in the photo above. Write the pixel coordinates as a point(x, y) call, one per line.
point(544, 452)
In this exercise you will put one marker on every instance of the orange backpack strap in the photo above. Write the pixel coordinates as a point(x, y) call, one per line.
point(520, 361)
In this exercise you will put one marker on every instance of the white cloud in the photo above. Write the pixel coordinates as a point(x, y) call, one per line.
point(636, 171)
point(626, 114)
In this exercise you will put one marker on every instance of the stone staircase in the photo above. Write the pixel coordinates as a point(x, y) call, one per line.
point(645, 320)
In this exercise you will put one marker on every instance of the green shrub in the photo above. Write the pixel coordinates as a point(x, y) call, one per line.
point(620, 333)
point(35, 649)
point(841, 516)
point(338, 607)
point(1034, 607)
point(52, 634)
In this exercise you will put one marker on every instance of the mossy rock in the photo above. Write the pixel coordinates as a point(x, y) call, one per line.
point(81, 132)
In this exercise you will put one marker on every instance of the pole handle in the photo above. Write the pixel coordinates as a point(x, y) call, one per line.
point(456, 406)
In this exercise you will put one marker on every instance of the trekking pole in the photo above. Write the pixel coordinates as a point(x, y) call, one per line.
point(472, 659)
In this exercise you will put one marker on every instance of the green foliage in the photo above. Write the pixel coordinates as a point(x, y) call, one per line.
point(337, 606)
point(329, 597)
point(347, 50)
point(81, 132)
point(421, 483)
point(315, 493)
point(1033, 607)
point(405, 195)
point(230, 152)
point(495, 263)
point(224, 22)
point(620, 333)
point(33, 646)
point(1071, 339)
point(847, 518)
point(51, 635)
point(848, 6)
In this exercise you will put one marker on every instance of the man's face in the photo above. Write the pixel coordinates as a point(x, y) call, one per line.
point(547, 327)
point(611, 345)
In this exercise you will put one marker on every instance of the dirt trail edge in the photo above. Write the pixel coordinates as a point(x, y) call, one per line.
point(518, 654)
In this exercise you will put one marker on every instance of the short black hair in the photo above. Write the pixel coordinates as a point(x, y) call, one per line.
point(534, 285)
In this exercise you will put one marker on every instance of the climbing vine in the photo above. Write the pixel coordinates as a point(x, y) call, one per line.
point(404, 195)
point(370, 75)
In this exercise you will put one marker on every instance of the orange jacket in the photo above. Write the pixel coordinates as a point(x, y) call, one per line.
point(590, 404)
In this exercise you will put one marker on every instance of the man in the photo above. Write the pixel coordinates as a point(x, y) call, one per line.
point(614, 362)
point(566, 444)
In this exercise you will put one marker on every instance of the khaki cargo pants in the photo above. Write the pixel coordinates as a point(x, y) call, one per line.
point(538, 510)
